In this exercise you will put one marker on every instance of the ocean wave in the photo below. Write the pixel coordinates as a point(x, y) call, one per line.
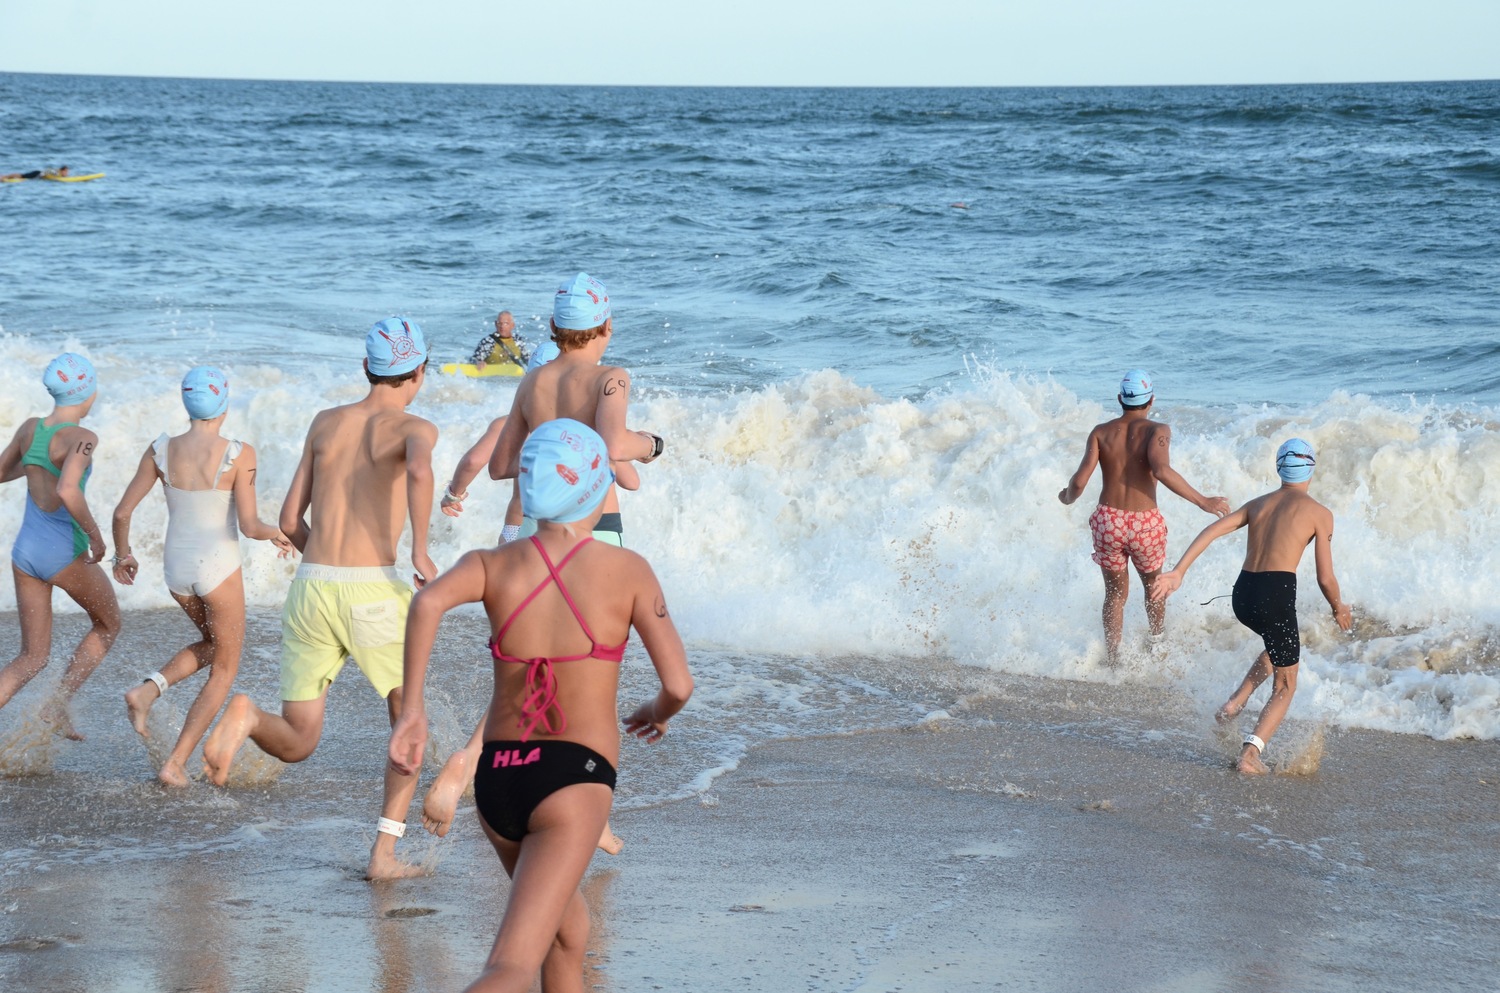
point(816, 517)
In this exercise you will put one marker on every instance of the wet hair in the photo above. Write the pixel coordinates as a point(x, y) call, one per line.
point(1139, 406)
point(569, 340)
point(405, 377)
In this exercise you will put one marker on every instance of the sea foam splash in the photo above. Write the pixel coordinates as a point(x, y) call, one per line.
point(814, 517)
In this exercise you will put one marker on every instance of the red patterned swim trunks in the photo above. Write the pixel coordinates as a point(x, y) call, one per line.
point(1138, 536)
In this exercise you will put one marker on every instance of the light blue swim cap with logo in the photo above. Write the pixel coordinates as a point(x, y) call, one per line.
point(1136, 389)
point(580, 303)
point(1295, 461)
point(70, 379)
point(545, 352)
point(565, 472)
point(205, 392)
point(394, 347)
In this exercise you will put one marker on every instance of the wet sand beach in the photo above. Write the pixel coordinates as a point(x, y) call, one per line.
point(1046, 835)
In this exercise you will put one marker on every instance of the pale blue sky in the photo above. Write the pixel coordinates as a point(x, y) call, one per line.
point(767, 43)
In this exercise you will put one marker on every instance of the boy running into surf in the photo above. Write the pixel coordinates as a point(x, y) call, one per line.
point(1282, 523)
point(364, 468)
point(1134, 454)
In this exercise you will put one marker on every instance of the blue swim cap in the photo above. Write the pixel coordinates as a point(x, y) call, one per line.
point(1136, 389)
point(70, 379)
point(581, 303)
point(394, 347)
point(545, 352)
point(565, 472)
point(1295, 461)
point(205, 392)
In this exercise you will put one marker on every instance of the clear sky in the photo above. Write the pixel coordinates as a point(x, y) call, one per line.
point(762, 43)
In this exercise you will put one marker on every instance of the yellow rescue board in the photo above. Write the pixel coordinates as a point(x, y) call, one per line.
point(73, 179)
point(491, 369)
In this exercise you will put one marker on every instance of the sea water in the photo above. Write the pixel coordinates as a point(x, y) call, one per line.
point(874, 327)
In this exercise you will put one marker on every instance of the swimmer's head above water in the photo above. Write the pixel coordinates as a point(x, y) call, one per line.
point(70, 379)
point(205, 392)
point(580, 311)
point(1295, 461)
point(565, 472)
point(1136, 391)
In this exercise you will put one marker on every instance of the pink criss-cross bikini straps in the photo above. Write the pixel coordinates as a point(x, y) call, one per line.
point(541, 681)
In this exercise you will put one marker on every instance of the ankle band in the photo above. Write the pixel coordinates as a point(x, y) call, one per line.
point(395, 829)
point(1260, 746)
point(159, 680)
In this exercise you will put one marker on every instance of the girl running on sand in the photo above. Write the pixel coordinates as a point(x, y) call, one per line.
point(209, 483)
point(561, 606)
point(59, 543)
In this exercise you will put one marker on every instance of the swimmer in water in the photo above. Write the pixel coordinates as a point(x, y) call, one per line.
point(1134, 453)
point(58, 173)
point(1282, 524)
point(209, 484)
point(500, 345)
point(59, 544)
point(561, 607)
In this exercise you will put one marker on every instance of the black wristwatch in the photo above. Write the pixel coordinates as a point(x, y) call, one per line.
point(657, 446)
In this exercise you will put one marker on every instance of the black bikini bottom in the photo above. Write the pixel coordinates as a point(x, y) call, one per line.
point(513, 777)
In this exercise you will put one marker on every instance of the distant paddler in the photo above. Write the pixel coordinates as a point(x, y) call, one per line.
point(500, 346)
point(60, 172)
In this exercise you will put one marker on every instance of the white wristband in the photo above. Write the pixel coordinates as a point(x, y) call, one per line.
point(395, 829)
point(455, 497)
point(1260, 746)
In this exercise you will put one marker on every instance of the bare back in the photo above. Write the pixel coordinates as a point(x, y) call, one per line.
point(605, 583)
point(356, 457)
point(1281, 525)
point(567, 387)
point(1125, 462)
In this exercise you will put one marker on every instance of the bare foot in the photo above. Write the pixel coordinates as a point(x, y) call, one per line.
point(385, 865)
point(1250, 763)
point(227, 737)
point(173, 774)
point(441, 802)
point(610, 842)
point(138, 703)
point(1228, 712)
point(55, 712)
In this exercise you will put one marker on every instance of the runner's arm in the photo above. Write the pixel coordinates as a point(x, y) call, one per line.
point(81, 442)
point(651, 621)
point(1159, 456)
point(1327, 581)
point(419, 486)
point(140, 484)
point(475, 459)
point(246, 507)
point(464, 583)
point(505, 460)
point(1171, 580)
point(609, 420)
point(1070, 493)
point(293, 518)
point(10, 459)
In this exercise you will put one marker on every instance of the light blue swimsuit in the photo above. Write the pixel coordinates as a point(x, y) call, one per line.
point(48, 543)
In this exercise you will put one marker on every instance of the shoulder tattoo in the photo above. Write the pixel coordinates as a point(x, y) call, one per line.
point(613, 386)
point(661, 607)
point(85, 448)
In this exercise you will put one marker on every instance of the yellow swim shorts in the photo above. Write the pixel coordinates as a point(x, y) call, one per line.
point(334, 613)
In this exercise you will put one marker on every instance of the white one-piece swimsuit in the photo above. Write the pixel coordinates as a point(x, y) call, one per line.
point(203, 537)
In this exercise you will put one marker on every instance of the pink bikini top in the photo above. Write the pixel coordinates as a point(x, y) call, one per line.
point(541, 682)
